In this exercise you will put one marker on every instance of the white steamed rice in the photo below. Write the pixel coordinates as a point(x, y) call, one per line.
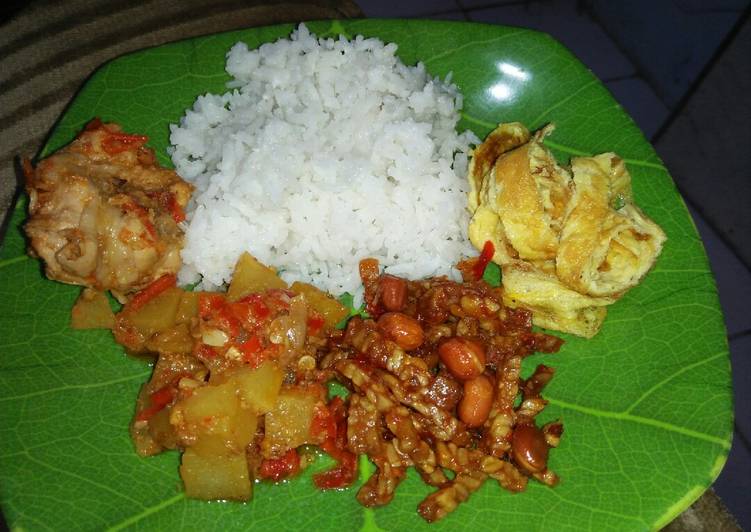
point(324, 152)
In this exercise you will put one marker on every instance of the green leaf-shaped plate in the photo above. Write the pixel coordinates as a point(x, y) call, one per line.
point(646, 404)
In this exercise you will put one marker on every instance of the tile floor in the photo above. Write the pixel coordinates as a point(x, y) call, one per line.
point(683, 74)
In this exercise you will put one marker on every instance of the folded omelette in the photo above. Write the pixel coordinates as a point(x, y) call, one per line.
point(570, 241)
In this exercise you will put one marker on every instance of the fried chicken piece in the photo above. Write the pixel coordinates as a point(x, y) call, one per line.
point(104, 213)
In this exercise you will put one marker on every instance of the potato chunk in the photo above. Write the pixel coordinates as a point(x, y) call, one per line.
point(92, 311)
point(288, 425)
point(188, 307)
point(217, 430)
point(332, 311)
point(211, 476)
point(157, 314)
point(215, 410)
point(176, 339)
point(251, 276)
point(258, 388)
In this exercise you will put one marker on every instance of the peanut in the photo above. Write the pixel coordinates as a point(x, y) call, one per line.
point(474, 406)
point(464, 358)
point(404, 330)
point(529, 448)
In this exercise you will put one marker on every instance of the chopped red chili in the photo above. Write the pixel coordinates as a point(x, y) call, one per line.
point(252, 351)
point(280, 468)
point(151, 291)
point(488, 250)
point(315, 324)
point(258, 307)
point(217, 311)
point(158, 400)
point(341, 476)
point(335, 444)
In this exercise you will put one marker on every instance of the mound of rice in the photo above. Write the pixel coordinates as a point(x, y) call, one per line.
point(322, 153)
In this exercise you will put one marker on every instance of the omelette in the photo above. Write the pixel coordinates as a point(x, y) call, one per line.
point(570, 240)
point(607, 244)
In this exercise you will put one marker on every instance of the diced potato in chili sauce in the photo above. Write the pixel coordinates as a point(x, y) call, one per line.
point(215, 430)
point(224, 387)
